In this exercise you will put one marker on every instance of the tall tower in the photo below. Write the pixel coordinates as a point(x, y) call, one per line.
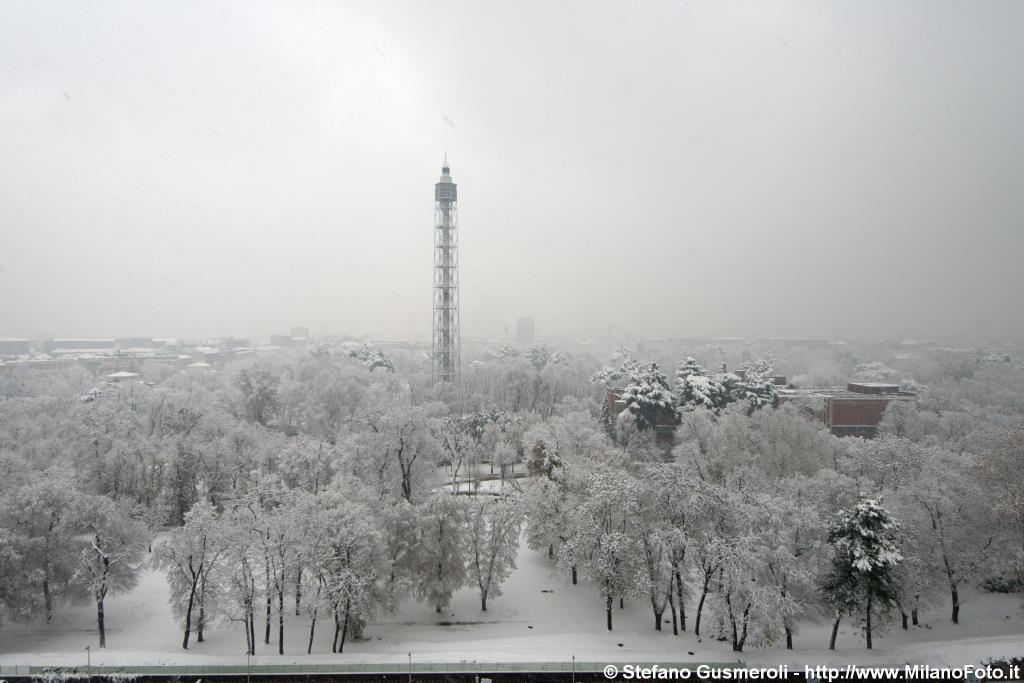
point(446, 279)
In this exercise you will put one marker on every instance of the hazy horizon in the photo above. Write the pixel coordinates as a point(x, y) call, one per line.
point(843, 169)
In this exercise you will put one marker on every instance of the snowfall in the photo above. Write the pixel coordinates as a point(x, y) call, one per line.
point(541, 617)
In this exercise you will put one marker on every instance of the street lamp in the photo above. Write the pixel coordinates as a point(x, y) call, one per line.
point(88, 661)
point(410, 667)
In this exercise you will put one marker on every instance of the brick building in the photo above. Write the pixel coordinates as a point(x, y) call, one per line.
point(854, 411)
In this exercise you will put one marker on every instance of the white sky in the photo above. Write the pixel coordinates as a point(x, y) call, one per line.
point(840, 169)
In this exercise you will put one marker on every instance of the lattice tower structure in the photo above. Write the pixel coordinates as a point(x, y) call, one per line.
point(446, 279)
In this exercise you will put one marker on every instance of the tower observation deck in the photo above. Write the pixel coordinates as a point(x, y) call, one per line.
point(446, 280)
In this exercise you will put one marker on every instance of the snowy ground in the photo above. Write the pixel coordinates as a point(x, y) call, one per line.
point(541, 617)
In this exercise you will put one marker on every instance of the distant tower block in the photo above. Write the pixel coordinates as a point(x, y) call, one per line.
point(446, 279)
point(524, 330)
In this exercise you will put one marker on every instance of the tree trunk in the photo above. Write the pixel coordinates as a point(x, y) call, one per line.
point(952, 586)
point(867, 622)
point(574, 575)
point(483, 602)
point(202, 608)
point(608, 609)
point(99, 620)
point(913, 616)
point(47, 598)
point(622, 603)
point(551, 551)
point(700, 605)
point(252, 630)
point(248, 643)
point(679, 597)
point(657, 619)
point(316, 608)
point(188, 615)
point(956, 601)
point(270, 602)
point(732, 625)
point(789, 638)
point(672, 609)
point(903, 620)
point(746, 622)
point(298, 592)
point(344, 630)
point(280, 621)
point(835, 632)
point(337, 631)
point(312, 628)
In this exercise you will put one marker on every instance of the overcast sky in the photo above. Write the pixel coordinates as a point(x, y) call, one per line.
point(842, 169)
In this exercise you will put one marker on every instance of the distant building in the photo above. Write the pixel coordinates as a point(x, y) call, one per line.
point(134, 342)
point(235, 343)
point(71, 346)
point(12, 346)
point(854, 411)
point(524, 331)
point(300, 333)
point(117, 377)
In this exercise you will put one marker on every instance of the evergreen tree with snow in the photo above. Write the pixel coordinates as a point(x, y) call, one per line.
point(695, 389)
point(863, 573)
point(758, 385)
point(649, 401)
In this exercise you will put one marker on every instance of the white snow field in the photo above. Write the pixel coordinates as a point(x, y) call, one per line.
point(541, 617)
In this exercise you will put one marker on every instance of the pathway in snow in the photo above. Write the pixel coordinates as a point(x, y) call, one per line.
point(540, 617)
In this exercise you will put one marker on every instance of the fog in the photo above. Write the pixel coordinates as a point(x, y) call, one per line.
point(843, 169)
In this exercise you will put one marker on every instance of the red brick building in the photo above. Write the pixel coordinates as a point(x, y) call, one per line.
point(856, 410)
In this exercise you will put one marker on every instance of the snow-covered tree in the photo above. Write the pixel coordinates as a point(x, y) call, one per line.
point(400, 453)
point(757, 389)
point(113, 547)
point(887, 462)
point(790, 541)
point(348, 563)
point(190, 557)
point(624, 367)
point(306, 463)
point(539, 357)
point(281, 535)
point(748, 601)
point(41, 517)
point(258, 387)
point(543, 460)
point(864, 566)
point(998, 469)
point(372, 358)
point(648, 401)
point(601, 539)
point(504, 456)
point(946, 501)
point(694, 389)
point(440, 553)
point(244, 565)
point(493, 533)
